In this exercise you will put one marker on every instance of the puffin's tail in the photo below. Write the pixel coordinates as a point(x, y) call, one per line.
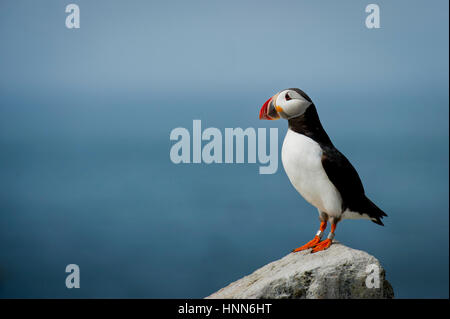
point(375, 213)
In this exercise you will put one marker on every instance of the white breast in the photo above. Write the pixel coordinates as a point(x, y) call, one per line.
point(301, 157)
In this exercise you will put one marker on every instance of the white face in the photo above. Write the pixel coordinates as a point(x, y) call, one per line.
point(290, 104)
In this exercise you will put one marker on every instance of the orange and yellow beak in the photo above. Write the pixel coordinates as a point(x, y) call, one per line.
point(269, 111)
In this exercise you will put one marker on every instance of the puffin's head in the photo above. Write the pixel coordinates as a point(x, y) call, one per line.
point(287, 104)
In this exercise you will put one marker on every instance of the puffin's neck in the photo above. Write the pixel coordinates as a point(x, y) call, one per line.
point(309, 125)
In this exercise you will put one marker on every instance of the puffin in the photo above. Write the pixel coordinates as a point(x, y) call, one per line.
point(315, 167)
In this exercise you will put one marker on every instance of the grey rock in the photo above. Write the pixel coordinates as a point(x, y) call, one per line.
point(339, 272)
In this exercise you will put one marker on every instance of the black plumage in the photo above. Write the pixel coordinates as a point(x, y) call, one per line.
point(337, 167)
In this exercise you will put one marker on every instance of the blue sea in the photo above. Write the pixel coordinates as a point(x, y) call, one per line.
point(85, 119)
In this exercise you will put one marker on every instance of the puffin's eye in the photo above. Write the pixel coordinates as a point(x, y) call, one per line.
point(287, 97)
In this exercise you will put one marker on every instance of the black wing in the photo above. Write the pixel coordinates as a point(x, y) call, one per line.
point(346, 180)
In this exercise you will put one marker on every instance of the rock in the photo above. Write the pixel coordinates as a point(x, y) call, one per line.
point(338, 272)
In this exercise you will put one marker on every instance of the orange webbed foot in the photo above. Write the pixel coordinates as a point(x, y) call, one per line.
point(322, 245)
point(308, 245)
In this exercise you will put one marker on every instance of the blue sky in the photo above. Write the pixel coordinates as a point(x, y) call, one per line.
point(85, 118)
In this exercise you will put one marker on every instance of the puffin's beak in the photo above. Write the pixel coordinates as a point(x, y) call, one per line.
point(268, 111)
